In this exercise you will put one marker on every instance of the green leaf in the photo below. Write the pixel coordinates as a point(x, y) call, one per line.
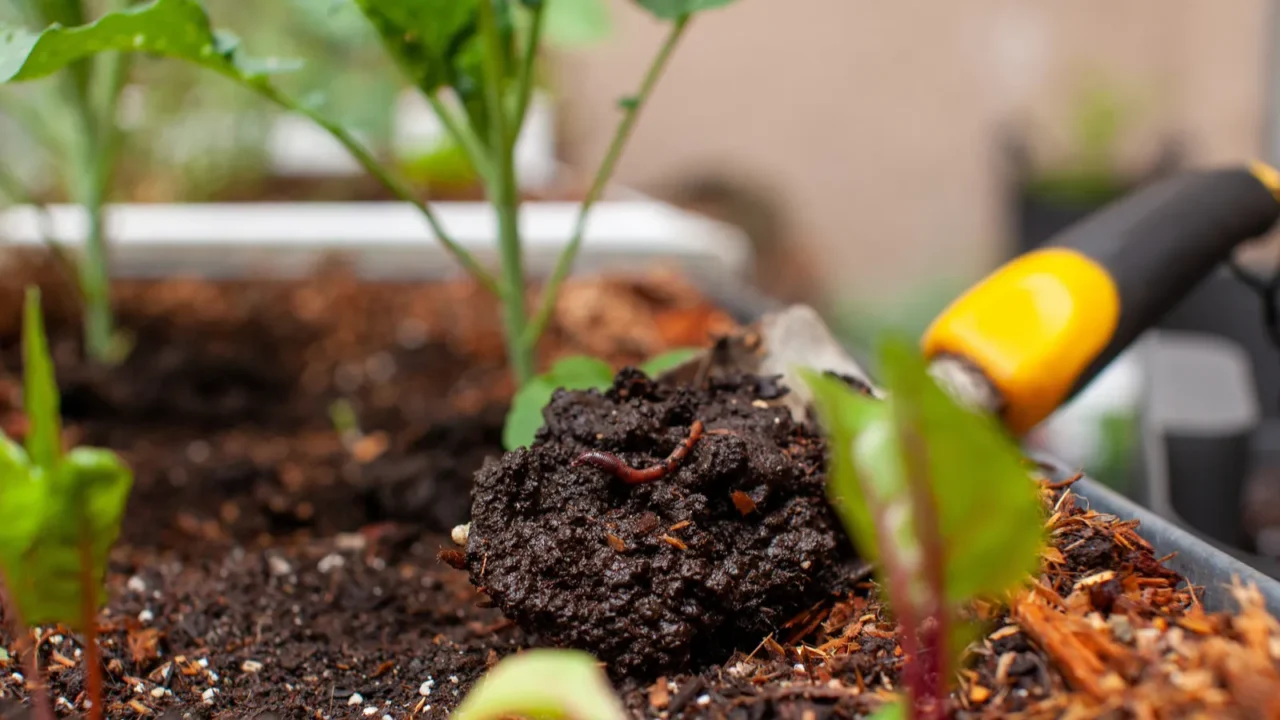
point(845, 414)
point(22, 504)
point(40, 389)
point(674, 9)
point(543, 683)
point(424, 37)
point(86, 500)
point(988, 508)
point(571, 373)
point(101, 481)
point(170, 28)
point(576, 23)
point(658, 364)
point(63, 12)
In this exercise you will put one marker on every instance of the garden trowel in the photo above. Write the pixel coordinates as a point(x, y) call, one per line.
point(1028, 337)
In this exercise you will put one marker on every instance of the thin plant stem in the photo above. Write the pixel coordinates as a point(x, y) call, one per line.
point(29, 652)
point(464, 136)
point(89, 618)
point(397, 186)
point(93, 271)
point(506, 200)
point(632, 112)
point(527, 65)
point(900, 597)
point(932, 675)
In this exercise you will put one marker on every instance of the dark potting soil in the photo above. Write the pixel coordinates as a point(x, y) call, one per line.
point(223, 406)
point(271, 568)
point(670, 573)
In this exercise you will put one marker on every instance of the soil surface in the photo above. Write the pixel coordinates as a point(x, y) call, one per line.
point(675, 571)
point(276, 566)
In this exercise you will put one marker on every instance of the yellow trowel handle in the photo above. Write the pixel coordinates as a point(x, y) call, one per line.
point(1043, 325)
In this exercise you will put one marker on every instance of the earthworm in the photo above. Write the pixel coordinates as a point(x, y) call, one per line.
point(613, 465)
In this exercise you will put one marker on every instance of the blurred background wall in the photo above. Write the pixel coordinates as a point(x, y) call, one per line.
point(879, 129)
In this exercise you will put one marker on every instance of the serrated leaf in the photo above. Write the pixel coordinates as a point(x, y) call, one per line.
point(571, 373)
point(171, 28)
point(39, 389)
point(543, 683)
point(658, 364)
point(674, 9)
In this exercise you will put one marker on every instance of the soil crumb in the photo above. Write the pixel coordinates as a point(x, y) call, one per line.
point(675, 572)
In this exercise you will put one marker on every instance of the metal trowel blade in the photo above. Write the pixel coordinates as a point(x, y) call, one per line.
point(778, 344)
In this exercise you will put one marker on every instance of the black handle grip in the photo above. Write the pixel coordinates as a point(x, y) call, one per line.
point(1158, 243)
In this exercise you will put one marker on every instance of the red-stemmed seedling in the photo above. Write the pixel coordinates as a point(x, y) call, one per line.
point(60, 514)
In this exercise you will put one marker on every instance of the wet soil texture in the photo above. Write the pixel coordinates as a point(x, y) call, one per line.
point(272, 566)
point(667, 573)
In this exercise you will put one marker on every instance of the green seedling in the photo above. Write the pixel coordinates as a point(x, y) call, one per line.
point(578, 372)
point(543, 683)
point(346, 422)
point(940, 498)
point(60, 513)
point(88, 92)
point(481, 53)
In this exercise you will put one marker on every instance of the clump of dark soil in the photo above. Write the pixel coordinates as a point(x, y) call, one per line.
point(670, 573)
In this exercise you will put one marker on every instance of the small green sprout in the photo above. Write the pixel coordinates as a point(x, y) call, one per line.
point(543, 683)
point(60, 513)
point(577, 372)
point(939, 497)
point(346, 422)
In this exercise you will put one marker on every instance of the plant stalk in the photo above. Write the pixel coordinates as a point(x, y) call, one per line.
point(506, 200)
point(463, 135)
point(92, 171)
point(930, 659)
point(397, 186)
point(632, 112)
point(95, 277)
point(526, 83)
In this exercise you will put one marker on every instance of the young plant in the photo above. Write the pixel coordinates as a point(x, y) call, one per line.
point(937, 496)
point(578, 372)
point(543, 683)
point(89, 93)
point(481, 52)
point(60, 514)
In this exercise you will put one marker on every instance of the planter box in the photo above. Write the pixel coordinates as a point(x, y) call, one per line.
point(391, 241)
point(385, 240)
point(1202, 563)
